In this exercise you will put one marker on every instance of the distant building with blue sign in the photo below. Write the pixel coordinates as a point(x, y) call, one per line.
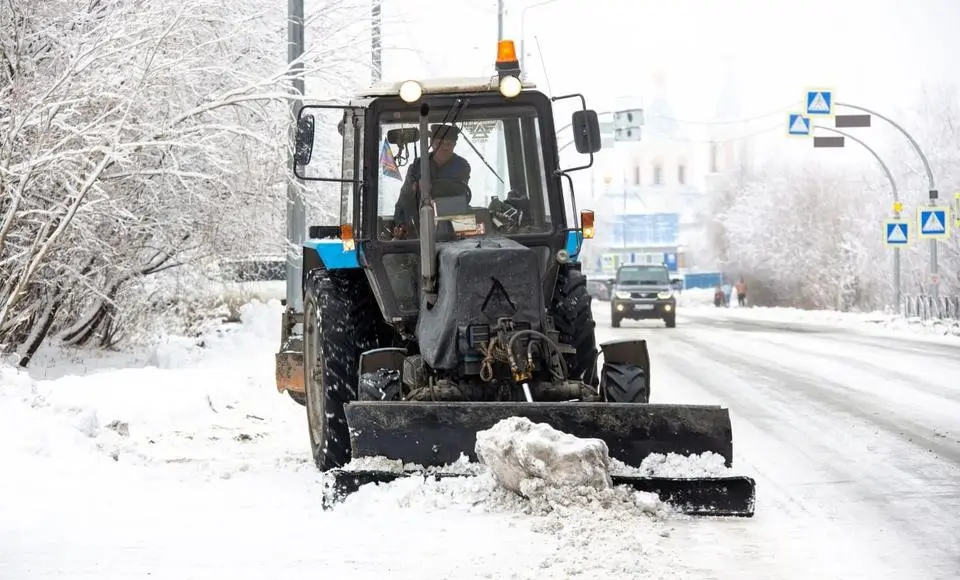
point(651, 196)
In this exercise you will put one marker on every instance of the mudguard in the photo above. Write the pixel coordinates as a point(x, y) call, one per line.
point(329, 253)
point(389, 358)
point(629, 351)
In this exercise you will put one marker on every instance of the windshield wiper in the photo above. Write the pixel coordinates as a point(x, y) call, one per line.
point(461, 105)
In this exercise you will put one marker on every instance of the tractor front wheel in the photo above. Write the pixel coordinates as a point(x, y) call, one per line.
point(339, 320)
point(573, 318)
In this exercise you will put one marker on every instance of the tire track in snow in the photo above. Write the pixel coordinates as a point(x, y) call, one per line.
point(841, 397)
point(861, 489)
point(809, 497)
point(923, 387)
point(859, 359)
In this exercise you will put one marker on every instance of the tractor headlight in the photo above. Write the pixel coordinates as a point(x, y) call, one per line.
point(411, 91)
point(622, 295)
point(510, 86)
point(664, 295)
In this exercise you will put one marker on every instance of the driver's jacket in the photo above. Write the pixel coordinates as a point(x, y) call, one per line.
point(407, 210)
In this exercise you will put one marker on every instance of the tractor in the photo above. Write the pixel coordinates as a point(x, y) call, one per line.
point(451, 298)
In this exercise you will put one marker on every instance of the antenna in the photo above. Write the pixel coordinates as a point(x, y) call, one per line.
point(543, 65)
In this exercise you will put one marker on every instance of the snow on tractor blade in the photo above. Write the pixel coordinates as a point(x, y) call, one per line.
point(435, 433)
point(707, 496)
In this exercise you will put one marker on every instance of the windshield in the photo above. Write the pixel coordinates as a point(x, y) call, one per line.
point(643, 275)
point(487, 172)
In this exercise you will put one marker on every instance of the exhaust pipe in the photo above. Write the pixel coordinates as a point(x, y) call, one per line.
point(428, 229)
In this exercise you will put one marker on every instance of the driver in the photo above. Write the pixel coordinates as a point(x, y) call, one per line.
point(444, 164)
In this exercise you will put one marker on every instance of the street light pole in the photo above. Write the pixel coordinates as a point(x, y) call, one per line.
point(523, 36)
point(932, 191)
point(296, 213)
point(897, 297)
point(376, 21)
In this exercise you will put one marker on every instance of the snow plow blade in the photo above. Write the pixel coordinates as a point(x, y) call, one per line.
point(711, 496)
point(433, 434)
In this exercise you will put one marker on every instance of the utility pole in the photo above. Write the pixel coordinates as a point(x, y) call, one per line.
point(296, 213)
point(897, 293)
point(376, 21)
point(501, 150)
point(932, 190)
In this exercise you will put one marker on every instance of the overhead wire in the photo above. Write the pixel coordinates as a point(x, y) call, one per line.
point(714, 140)
point(778, 111)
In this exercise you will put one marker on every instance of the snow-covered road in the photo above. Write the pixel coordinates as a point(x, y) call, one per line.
point(854, 441)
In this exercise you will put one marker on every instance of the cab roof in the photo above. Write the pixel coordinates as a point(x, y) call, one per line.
point(440, 86)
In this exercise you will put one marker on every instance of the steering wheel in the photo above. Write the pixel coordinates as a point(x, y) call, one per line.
point(448, 187)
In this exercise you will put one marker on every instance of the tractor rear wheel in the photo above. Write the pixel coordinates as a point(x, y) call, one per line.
point(339, 323)
point(573, 318)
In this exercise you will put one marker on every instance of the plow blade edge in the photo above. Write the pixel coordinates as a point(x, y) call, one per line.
point(711, 496)
point(436, 433)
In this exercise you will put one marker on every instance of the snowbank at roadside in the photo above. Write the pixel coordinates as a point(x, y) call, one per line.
point(184, 401)
point(873, 322)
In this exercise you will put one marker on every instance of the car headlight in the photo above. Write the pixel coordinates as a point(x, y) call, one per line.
point(664, 295)
point(622, 295)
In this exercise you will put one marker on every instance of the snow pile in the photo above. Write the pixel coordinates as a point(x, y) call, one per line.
point(521, 454)
point(554, 489)
point(695, 297)
point(876, 321)
point(532, 468)
point(185, 402)
point(707, 464)
point(462, 466)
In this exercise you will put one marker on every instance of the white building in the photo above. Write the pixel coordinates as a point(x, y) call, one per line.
point(671, 170)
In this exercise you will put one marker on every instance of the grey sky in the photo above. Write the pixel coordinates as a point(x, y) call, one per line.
point(872, 52)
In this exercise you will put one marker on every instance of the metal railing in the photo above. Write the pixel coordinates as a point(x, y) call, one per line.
point(927, 307)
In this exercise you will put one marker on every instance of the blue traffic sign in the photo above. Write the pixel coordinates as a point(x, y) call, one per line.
point(896, 232)
point(797, 124)
point(933, 222)
point(819, 102)
point(645, 230)
point(670, 261)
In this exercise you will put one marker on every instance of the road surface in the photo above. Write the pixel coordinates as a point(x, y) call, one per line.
point(854, 441)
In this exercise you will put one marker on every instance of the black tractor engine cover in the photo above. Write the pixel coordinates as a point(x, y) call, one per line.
point(480, 281)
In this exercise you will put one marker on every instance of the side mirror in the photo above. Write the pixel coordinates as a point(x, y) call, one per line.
point(403, 136)
point(303, 148)
point(586, 131)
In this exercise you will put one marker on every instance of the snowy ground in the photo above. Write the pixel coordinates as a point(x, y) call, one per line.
point(699, 303)
point(185, 463)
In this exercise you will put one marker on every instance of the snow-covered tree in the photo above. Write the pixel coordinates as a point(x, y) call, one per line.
point(810, 236)
point(136, 135)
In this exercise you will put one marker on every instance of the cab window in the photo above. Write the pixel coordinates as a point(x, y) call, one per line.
point(487, 175)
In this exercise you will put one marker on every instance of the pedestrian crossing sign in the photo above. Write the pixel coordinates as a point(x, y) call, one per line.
point(896, 232)
point(932, 222)
point(819, 102)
